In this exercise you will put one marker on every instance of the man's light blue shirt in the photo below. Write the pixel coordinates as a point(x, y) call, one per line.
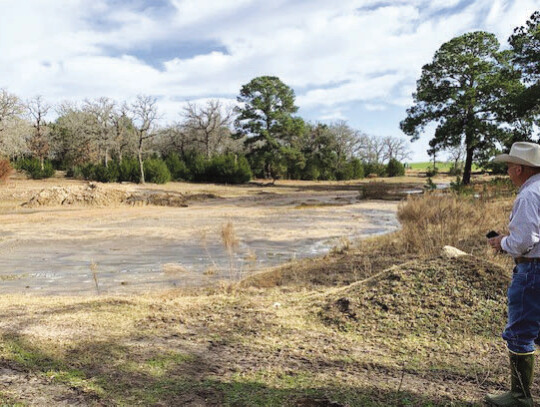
point(524, 228)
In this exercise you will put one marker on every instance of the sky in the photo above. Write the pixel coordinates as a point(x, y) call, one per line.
point(352, 60)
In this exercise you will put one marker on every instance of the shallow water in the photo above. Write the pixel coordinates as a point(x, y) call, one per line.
point(141, 254)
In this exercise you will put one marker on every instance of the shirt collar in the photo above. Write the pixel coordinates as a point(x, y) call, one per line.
point(530, 180)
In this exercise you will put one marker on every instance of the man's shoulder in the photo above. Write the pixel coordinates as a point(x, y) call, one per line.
point(532, 189)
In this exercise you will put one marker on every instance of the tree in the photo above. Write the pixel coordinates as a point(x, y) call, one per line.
point(265, 118)
point(371, 149)
point(39, 143)
point(103, 111)
point(173, 138)
point(460, 91)
point(525, 43)
point(456, 155)
point(144, 115)
point(73, 136)
point(209, 126)
point(124, 134)
point(11, 109)
point(395, 148)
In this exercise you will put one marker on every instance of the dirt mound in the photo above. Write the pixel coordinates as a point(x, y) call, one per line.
point(91, 194)
point(94, 194)
point(437, 295)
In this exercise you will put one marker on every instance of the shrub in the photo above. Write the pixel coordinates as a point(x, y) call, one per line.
point(129, 171)
point(32, 166)
point(351, 170)
point(496, 168)
point(110, 173)
point(196, 164)
point(310, 172)
point(156, 171)
point(98, 172)
point(178, 168)
point(358, 168)
point(74, 172)
point(455, 170)
point(431, 171)
point(243, 171)
point(228, 169)
point(5, 170)
point(344, 173)
point(395, 168)
point(430, 185)
point(375, 168)
point(458, 187)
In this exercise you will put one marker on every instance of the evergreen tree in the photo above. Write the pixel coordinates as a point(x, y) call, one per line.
point(460, 91)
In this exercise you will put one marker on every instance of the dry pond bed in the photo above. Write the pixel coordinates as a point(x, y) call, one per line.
point(69, 237)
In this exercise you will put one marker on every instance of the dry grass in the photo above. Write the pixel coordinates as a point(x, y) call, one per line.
point(94, 271)
point(430, 222)
point(229, 238)
point(230, 242)
point(5, 170)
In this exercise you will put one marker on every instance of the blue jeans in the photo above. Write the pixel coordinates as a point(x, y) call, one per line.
point(523, 328)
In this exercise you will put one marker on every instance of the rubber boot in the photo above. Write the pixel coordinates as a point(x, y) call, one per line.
point(522, 367)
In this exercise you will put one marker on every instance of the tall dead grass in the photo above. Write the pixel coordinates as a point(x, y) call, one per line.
point(230, 242)
point(432, 221)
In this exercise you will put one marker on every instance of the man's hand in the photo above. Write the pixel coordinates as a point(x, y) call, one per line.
point(495, 242)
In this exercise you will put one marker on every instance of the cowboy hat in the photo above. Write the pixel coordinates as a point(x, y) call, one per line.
point(521, 153)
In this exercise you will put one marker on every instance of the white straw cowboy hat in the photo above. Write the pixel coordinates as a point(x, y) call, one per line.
point(521, 153)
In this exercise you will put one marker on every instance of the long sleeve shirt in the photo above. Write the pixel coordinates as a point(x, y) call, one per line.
point(524, 227)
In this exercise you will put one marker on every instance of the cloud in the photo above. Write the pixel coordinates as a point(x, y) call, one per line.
point(334, 54)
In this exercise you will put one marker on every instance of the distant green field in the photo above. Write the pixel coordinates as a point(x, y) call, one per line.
point(442, 166)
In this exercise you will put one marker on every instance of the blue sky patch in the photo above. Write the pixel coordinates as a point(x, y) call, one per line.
point(157, 53)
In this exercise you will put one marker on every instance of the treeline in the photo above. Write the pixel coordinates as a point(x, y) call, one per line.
point(261, 137)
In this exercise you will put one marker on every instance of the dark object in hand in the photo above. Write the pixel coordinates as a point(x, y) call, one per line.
point(491, 234)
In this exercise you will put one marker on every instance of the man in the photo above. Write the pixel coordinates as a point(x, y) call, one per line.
point(522, 243)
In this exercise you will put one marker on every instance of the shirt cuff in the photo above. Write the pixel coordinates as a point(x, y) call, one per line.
point(503, 244)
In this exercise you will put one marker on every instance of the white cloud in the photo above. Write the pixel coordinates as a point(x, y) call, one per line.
point(374, 107)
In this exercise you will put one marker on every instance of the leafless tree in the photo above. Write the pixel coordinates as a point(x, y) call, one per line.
point(102, 110)
point(348, 140)
point(396, 147)
point(74, 135)
point(39, 144)
point(10, 107)
point(457, 154)
point(371, 148)
point(125, 135)
point(174, 138)
point(209, 126)
point(144, 116)
point(11, 123)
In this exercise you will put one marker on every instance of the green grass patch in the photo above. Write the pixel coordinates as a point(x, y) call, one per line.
point(441, 166)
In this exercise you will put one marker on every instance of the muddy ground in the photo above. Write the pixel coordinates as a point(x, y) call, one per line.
point(62, 236)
